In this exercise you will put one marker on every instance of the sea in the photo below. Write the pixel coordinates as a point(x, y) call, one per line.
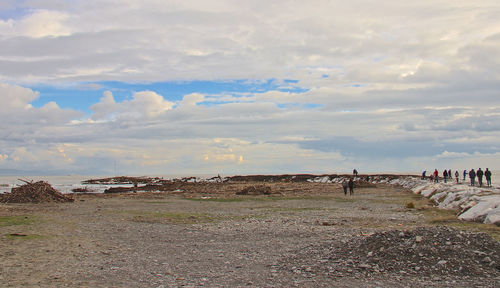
point(66, 184)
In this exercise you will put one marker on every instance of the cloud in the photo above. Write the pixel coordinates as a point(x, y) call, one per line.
point(37, 24)
point(373, 85)
point(143, 104)
point(155, 41)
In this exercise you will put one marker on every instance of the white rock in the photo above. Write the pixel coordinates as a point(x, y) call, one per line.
point(479, 211)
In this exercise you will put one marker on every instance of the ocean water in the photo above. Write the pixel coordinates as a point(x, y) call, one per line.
point(65, 184)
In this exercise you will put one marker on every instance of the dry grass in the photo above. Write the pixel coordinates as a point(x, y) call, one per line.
point(442, 217)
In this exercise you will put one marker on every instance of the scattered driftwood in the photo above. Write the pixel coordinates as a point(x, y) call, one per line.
point(123, 180)
point(34, 192)
point(255, 190)
point(83, 190)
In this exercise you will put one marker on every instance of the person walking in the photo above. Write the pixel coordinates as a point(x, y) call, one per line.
point(472, 176)
point(423, 174)
point(479, 175)
point(351, 186)
point(465, 174)
point(487, 174)
point(344, 185)
point(457, 175)
point(436, 175)
point(445, 175)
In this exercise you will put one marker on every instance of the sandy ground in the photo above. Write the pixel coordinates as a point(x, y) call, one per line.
point(206, 236)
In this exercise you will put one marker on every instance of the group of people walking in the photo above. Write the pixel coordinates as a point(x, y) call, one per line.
point(448, 176)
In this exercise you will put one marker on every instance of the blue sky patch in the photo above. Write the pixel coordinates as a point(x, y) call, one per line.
point(81, 96)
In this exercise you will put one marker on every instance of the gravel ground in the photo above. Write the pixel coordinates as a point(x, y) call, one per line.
point(302, 235)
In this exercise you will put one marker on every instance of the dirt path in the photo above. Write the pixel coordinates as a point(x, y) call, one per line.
point(209, 238)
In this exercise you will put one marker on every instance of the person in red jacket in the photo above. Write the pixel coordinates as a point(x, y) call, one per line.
point(436, 176)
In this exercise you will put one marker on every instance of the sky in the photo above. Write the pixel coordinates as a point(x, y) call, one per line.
point(176, 87)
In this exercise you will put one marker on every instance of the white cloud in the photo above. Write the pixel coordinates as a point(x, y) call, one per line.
point(39, 23)
point(143, 104)
point(155, 41)
point(16, 97)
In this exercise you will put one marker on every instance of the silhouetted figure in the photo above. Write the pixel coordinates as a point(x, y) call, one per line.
point(487, 174)
point(355, 172)
point(479, 175)
point(445, 175)
point(457, 175)
point(436, 176)
point(472, 176)
point(423, 175)
point(344, 185)
point(351, 186)
point(465, 174)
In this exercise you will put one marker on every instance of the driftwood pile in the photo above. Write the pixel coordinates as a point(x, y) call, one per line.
point(34, 192)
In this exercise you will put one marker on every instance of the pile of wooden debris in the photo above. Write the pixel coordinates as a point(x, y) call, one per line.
point(34, 192)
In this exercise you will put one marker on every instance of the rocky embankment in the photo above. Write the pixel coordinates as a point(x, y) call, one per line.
point(478, 204)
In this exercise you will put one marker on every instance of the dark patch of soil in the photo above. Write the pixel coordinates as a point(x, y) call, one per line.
point(424, 251)
point(255, 190)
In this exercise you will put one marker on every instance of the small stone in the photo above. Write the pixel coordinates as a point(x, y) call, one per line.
point(442, 262)
point(417, 268)
point(370, 254)
point(418, 239)
point(402, 234)
point(487, 259)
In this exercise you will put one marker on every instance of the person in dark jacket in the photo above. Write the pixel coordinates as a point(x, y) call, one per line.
point(457, 175)
point(479, 175)
point(487, 174)
point(472, 176)
point(465, 174)
point(351, 186)
point(445, 175)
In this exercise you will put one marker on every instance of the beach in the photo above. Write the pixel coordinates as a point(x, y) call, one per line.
point(264, 232)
